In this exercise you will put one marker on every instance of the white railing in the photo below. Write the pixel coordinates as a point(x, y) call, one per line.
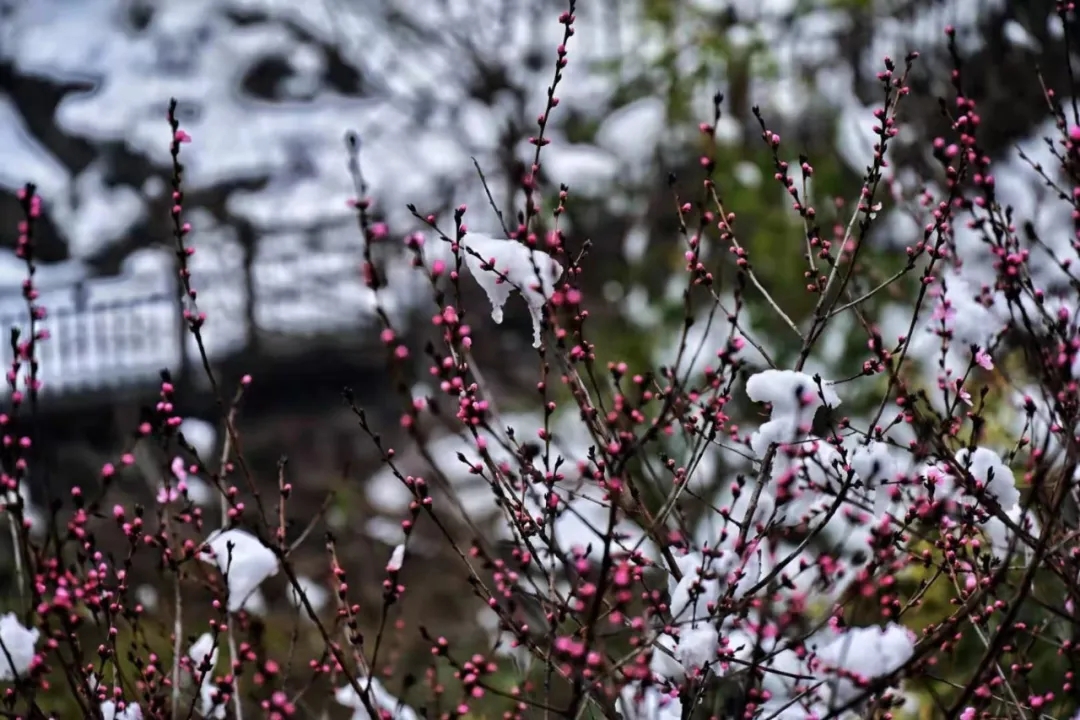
point(112, 332)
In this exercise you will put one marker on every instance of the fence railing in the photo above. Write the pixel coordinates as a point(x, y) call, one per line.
point(109, 333)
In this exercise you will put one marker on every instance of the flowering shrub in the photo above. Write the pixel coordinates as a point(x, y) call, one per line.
point(916, 553)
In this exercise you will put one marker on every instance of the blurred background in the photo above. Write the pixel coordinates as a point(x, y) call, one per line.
point(268, 90)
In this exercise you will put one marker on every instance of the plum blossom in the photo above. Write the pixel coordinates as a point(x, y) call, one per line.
point(16, 647)
point(515, 267)
point(243, 559)
point(198, 490)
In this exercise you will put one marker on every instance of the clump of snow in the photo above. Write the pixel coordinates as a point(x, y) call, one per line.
point(202, 648)
point(649, 703)
point(794, 398)
point(993, 478)
point(971, 322)
point(571, 441)
point(32, 514)
point(397, 559)
point(693, 593)
point(748, 174)
point(18, 643)
point(1018, 35)
point(633, 132)
point(316, 593)
point(706, 577)
point(201, 435)
point(256, 604)
point(855, 139)
point(512, 267)
point(243, 559)
point(94, 214)
point(876, 467)
point(869, 653)
point(22, 157)
point(697, 646)
point(147, 596)
point(111, 711)
point(379, 697)
point(582, 523)
point(205, 649)
point(987, 468)
point(1001, 535)
point(587, 169)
